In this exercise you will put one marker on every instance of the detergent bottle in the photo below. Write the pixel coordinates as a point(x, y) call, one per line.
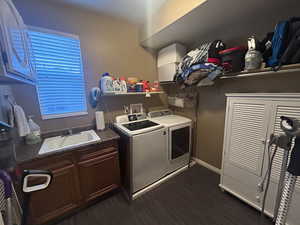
point(106, 83)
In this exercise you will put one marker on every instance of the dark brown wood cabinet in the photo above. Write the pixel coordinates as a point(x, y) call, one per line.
point(93, 183)
point(79, 176)
point(61, 196)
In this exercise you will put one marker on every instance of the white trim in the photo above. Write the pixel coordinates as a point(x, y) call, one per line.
point(225, 137)
point(50, 31)
point(56, 116)
point(159, 182)
point(269, 214)
point(268, 95)
point(207, 165)
point(1, 219)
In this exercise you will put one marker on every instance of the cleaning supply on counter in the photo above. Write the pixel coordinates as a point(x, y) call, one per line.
point(21, 121)
point(100, 122)
point(146, 85)
point(155, 86)
point(131, 86)
point(253, 58)
point(139, 87)
point(123, 84)
point(34, 136)
point(106, 83)
point(116, 85)
point(132, 79)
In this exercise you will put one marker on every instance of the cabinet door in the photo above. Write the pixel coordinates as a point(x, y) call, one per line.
point(99, 175)
point(60, 197)
point(289, 109)
point(15, 43)
point(244, 146)
point(246, 135)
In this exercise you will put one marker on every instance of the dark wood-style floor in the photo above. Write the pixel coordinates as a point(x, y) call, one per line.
point(191, 198)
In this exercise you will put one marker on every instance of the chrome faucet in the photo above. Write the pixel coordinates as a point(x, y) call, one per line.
point(70, 131)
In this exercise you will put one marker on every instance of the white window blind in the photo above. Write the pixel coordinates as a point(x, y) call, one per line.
point(60, 78)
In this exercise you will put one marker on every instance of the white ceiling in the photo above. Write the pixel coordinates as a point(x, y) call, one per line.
point(135, 11)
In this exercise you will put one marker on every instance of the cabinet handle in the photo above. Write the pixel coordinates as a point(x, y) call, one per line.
point(264, 141)
point(257, 197)
point(260, 187)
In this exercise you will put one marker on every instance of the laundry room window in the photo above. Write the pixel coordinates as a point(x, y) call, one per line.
point(60, 78)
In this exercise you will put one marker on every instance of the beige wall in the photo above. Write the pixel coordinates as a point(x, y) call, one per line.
point(108, 45)
point(170, 11)
point(210, 119)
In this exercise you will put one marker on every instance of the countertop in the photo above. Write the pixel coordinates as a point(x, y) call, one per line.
point(25, 153)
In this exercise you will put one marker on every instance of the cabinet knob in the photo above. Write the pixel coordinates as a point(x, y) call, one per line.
point(257, 197)
point(264, 141)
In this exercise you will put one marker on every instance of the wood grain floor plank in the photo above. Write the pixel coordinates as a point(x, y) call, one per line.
point(191, 198)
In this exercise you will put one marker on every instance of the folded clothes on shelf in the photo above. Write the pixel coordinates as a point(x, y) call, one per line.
point(199, 64)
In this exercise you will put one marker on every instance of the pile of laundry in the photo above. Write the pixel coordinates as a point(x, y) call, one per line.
point(201, 65)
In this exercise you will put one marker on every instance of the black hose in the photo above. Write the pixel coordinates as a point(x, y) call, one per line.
point(269, 171)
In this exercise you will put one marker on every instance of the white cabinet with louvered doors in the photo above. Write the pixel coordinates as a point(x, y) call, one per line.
point(245, 134)
point(250, 119)
point(15, 60)
point(288, 108)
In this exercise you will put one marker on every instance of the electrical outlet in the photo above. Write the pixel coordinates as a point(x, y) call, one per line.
point(179, 102)
point(175, 101)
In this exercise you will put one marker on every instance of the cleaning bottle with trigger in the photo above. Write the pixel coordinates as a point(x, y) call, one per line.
point(35, 132)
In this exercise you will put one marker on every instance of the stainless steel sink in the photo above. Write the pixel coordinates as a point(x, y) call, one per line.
point(69, 142)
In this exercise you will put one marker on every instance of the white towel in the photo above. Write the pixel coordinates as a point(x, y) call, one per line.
point(11, 117)
point(21, 121)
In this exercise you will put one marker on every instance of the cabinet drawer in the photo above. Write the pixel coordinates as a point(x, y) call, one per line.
point(95, 151)
point(49, 163)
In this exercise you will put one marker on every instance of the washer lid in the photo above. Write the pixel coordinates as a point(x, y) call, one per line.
point(171, 120)
point(138, 127)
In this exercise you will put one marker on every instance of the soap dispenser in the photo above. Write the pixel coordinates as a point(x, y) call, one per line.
point(35, 132)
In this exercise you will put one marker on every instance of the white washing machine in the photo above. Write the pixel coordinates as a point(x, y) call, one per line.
point(179, 137)
point(143, 148)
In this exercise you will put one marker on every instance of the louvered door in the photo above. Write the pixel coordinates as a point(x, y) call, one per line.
point(249, 122)
point(244, 146)
point(289, 109)
point(247, 135)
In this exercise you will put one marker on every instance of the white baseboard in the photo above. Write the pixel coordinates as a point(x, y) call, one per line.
point(206, 165)
point(157, 183)
point(269, 214)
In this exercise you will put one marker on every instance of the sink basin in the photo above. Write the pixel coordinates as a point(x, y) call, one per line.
point(69, 141)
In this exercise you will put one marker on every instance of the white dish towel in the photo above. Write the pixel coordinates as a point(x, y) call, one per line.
point(21, 121)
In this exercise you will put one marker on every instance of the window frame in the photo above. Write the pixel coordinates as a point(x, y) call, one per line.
point(63, 115)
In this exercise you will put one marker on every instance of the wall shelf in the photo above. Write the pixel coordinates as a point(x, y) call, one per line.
point(131, 93)
point(263, 72)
